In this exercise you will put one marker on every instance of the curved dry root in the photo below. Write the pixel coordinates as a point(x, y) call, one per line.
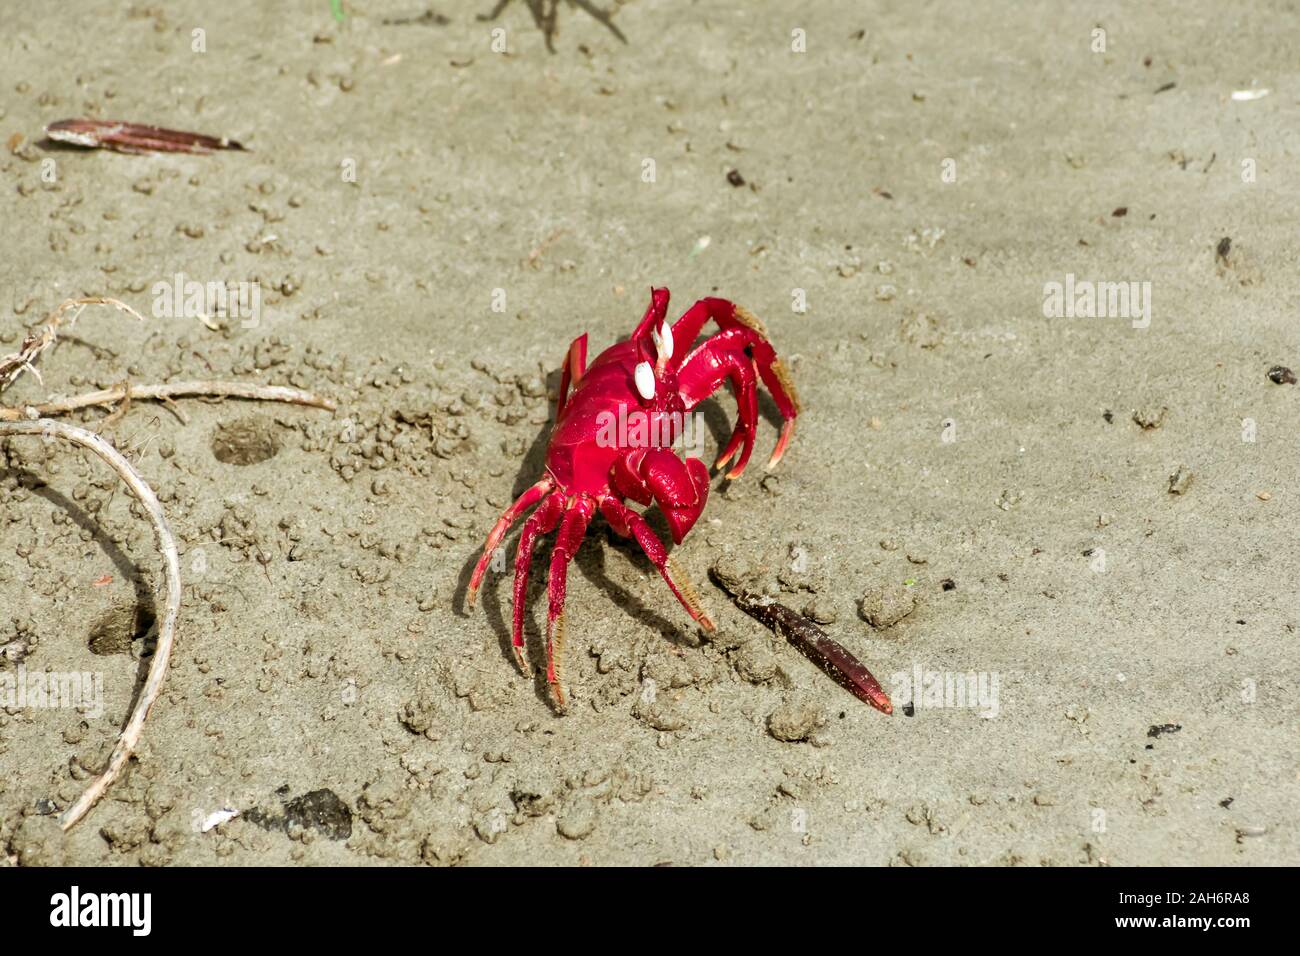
point(130, 736)
point(34, 420)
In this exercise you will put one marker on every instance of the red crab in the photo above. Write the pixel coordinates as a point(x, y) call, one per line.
point(650, 381)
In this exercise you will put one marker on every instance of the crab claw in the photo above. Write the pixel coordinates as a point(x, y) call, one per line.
point(681, 518)
point(743, 354)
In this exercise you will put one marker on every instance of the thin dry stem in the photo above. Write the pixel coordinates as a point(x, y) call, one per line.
point(165, 393)
point(130, 736)
point(12, 366)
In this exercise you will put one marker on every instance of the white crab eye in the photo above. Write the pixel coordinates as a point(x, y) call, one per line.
point(663, 338)
point(645, 380)
point(666, 341)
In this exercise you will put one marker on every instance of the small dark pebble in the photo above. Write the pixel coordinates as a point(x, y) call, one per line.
point(909, 710)
point(1281, 375)
point(1108, 415)
point(1226, 802)
point(735, 178)
point(1224, 247)
point(1168, 86)
point(1121, 212)
point(1158, 729)
point(948, 584)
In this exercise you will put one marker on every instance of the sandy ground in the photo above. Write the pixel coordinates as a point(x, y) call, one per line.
point(917, 175)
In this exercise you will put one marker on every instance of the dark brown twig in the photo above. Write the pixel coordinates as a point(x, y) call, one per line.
point(831, 656)
point(134, 137)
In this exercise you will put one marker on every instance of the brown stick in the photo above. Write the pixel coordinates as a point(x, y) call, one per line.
point(128, 137)
point(130, 736)
point(165, 393)
point(828, 654)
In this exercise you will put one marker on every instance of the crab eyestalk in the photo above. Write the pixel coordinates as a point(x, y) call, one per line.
point(663, 339)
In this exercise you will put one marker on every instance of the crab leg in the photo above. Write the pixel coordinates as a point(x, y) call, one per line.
point(572, 369)
point(749, 334)
point(655, 314)
point(577, 515)
point(702, 376)
point(522, 504)
point(541, 521)
point(630, 524)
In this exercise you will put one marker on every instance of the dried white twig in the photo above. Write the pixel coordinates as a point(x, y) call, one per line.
point(165, 393)
point(12, 366)
point(130, 736)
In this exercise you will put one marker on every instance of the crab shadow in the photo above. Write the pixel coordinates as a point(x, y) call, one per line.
point(589, 560)
point(546, 14)
point(145, 606)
